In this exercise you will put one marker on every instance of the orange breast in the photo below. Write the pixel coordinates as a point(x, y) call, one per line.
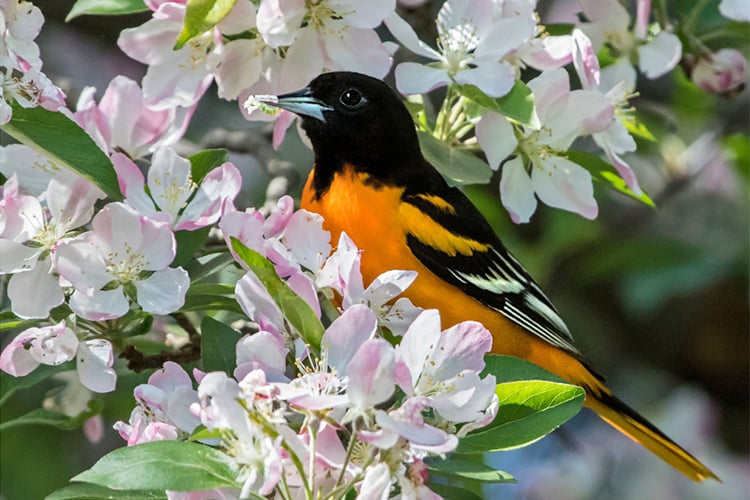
point(378, 222)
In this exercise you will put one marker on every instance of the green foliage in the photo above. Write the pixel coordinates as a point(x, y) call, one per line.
point(296, 311)
point(105, 7)
point(604, 173)
point(162, 465)
point(463, 469)
point(41, 416)
point(218, 343)
point(203, 162)
point(201, 16)
point(456, 165)
point(10, 384)
point(84, 491)
point(61, 139)
point(517, 105)
point(529, 410)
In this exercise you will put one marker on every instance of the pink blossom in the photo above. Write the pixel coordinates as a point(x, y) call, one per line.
point(122, 121)
point(31, 234)
point(20, 23)
point(341, 272)
point(56, 344)
point(442, 368)
point(614, 139)
point(163, 410)
point(121, 247)
point(473, 40)
point(720, 72)
point(609, 22)
point(172, 195)
point(540, 170)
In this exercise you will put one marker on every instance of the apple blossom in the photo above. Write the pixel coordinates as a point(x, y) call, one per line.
point(126, 254)
point(539, 168)
point(331, 34)
point(31, 234)
point(617, 84)
point(608, 23)
point(123, 122)
point(56, 344)
point(172, 195)
point(472, 41)
point(163, 410)
point(341, 272)
point(720, 72)
point(20, 23)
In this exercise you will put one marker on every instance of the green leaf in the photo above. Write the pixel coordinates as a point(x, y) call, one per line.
point(511, 369)
point(40, 416)
point(639, 129)
point(201, 16)
point(529, 410)
point(457, 166)
point(105, 7)
point(297, 312)
point(10, 384)
point(9, 321)
point(518, 104)
point(188, 243)
point(465, 469)
point(559, 29)
point(55, 135)
point(210, 303)
point(218, 344)
point(604, 173)
point(84, 491)
point(206, 265)
point(453, 492)
point(203, 162)
point(162, 465)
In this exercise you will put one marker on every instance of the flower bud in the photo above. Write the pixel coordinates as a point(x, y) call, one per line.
point(720, 71)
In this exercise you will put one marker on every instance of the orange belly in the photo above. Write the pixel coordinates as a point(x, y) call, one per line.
point(370, 216)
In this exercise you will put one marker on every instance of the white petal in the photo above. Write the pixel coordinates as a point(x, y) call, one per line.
point(660, 55)
point(359, 50)
point(494, 78)
point(370, 374)
point(413, 78)
point(404, 33)
point(517, 191)
point(738, 10)
point(34, 293)
point(496, 137)
point(94, 365)
point(346, 334)
point(100, 305)
point(164, 291)
point(418, 341)
point(566, 185)
point(364, 14)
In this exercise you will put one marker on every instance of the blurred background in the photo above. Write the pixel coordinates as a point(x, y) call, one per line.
point(658, 298)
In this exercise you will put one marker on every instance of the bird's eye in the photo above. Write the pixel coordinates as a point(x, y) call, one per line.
point(352, 99)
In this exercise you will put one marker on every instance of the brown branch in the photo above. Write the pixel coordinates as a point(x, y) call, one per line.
point(137, 361)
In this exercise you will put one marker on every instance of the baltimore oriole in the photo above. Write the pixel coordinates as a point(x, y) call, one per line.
point(371, 181)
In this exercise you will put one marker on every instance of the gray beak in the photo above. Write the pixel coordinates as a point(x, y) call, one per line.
point(302, 102)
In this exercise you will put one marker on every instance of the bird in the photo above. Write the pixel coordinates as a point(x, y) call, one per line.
point(370, 180)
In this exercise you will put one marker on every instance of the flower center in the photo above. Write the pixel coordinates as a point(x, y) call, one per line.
point(457, 43)
point(126, 268)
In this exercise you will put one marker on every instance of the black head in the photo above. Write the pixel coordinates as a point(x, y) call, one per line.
point(358, 120)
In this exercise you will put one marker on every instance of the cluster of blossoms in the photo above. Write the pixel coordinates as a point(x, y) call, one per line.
point(360, 413)
point(383, 388)
point(21, 77)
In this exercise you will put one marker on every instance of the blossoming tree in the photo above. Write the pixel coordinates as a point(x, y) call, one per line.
point(292, 378)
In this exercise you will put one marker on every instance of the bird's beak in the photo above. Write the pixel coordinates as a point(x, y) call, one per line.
point(303, 103)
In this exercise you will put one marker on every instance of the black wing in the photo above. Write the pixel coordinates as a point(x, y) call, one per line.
point(492, 276)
